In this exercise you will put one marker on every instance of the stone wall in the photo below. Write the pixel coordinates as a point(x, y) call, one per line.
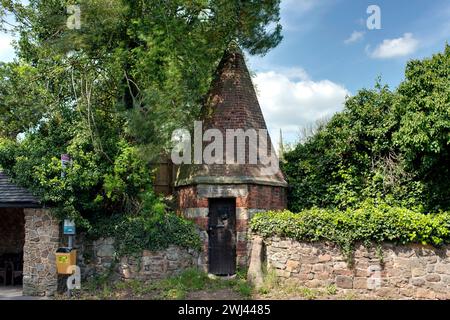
point(12, 231)
point(98, 256)
point(42, 235)
point(412, 271)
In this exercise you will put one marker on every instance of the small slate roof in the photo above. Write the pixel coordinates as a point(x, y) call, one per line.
point(13, 196)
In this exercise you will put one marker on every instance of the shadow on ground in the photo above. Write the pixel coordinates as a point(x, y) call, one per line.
point(15, 293)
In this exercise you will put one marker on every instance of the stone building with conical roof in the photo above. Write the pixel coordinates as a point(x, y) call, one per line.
point(222, 196)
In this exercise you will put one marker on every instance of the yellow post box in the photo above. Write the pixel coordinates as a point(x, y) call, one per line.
point(65, 257)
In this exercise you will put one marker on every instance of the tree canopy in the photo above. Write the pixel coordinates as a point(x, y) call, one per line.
point(111, 92)
point(390, 146)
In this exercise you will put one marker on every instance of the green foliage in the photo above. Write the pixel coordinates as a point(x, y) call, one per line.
point(331, 290)
point(151, 59)
point(110, 181)
point(109, 95)
point(173, 288)
point(193, 280)
point(151, 228)
point(388, 145)
point(21, 106)
point(367, 224)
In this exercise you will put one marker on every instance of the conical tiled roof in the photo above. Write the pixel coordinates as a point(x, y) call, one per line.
point(231, 104)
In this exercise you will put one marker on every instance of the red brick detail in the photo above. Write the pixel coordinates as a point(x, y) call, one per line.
point(241, 248)
point(202, 203)
point(259, 197)
point(242, 202)
point(267, 197)
point(241, 225)
point(187, 197)
point(201, 222)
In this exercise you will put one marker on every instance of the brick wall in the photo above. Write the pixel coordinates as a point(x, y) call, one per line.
point(247, 196)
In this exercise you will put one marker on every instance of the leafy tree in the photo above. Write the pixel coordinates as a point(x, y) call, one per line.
point(387, 145)
point(111, 93)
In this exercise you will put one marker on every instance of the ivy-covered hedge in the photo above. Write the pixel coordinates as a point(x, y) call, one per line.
point(133, 234)
point(153, 228)
point(368, 224)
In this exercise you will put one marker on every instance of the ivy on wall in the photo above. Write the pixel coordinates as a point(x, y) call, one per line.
point(152, 228)
point(368, 224)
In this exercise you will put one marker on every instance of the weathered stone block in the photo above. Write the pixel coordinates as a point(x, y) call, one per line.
point(282, 273)
point(315, 283)
point(418, 282)
point(292, 266)
point(324, 258)
point(386, 292)
point(323, 276)
point(433, 278)
point(344, 282)
point(418, 272)
point(360, 283)
point(105, 250)
point(442, 268)
point(425, 294)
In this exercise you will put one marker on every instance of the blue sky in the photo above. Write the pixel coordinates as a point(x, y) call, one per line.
point(329, 53)
point(318, 62)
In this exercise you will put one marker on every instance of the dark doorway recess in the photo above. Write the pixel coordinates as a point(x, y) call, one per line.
point(222, 236)
point(12, 239)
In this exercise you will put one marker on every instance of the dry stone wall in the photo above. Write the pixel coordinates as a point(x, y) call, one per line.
point(98, 256)
point(409, 272)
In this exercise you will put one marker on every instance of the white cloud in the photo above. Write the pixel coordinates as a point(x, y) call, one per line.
point(355, 37)
point(299, 6)
point(6, 49)
point(298, 15)
point(290, 102)
point(392, 48)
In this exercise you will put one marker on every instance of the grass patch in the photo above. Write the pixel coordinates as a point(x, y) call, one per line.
point(331, 290)
point(273, 288)
point(173, 288)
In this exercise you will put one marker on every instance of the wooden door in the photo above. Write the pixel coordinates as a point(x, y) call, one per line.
point(222, 236)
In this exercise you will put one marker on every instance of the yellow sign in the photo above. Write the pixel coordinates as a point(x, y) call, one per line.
point(63, 259)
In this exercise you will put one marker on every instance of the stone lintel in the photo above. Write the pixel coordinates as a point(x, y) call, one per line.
point(267, 181)
point(192, 213)
point(222, 191)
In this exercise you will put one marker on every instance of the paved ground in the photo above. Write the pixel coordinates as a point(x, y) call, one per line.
point(14, 293)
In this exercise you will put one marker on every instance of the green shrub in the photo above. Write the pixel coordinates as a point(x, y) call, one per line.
point(151, 228)
point(133, 234)
point(368, 224)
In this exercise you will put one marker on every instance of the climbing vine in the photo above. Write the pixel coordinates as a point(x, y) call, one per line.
point(369, 224)
point(152, 228)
